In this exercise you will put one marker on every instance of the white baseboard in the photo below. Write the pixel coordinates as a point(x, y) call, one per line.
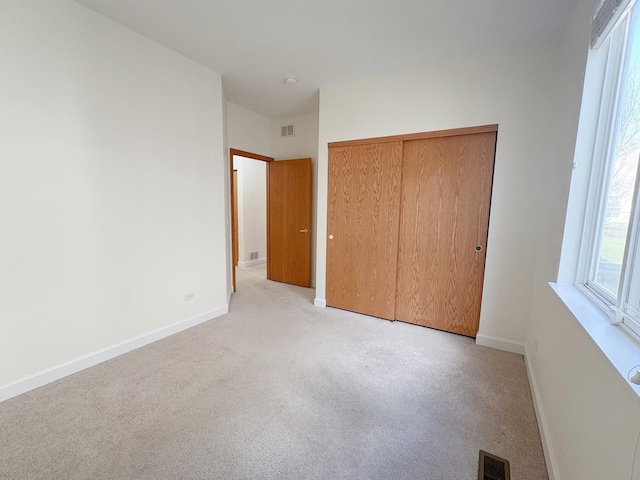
point(57, 372)
point(499, 343)
point(320, 302)
point(549, 456)
point(252, 263)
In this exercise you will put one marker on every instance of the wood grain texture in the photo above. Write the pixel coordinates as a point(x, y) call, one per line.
point(418, 136)
point(363, 217)
point(268, 221)
point(255, 156)
point(446, 195)
point(289, 212)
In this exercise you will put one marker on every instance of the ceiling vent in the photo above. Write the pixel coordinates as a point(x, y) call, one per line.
point(287, 131)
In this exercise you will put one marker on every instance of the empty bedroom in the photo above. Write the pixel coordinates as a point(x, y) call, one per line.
point(320, 240)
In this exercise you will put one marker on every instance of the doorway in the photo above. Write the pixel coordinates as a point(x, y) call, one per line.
point(249, 210)
point(288, 218)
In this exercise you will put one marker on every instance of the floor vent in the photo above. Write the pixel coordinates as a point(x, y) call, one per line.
point(492, 467)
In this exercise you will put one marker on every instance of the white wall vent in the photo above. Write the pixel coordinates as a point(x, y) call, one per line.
point(608, 15)
point(287, 130)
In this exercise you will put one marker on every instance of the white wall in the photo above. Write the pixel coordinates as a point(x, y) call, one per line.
point(591, 419)
point(510, 87)
point(248, 131)
point(303, 145)
point(226, 160)
point(252, 208)
point(112, 186)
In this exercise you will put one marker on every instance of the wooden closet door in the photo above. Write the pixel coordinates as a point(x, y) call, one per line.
point(363, 216)
point(446, 192)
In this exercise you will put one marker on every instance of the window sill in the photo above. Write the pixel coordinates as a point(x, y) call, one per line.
point(622, 351)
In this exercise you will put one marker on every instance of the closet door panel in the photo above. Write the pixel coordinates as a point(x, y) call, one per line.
point(446, 193)
point(362, 227)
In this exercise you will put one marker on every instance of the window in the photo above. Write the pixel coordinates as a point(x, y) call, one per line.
point(610, 267)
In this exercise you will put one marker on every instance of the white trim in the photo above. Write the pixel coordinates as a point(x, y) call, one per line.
point(499, 343)
point(619, 347)
point(62, 370)
point(600, 156)
point(543, 426)
point(320, 302)
point(252, 263)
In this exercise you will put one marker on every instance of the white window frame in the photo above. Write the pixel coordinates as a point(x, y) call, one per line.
point(604, 146)
point(632, 249)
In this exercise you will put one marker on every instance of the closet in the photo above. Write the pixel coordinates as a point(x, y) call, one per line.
point(407, 226)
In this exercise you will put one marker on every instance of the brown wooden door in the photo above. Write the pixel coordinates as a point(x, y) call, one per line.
point(289, 219)
point(362, 227)
point(446, 193)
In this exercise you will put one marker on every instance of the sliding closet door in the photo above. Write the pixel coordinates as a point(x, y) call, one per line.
point(446, 192)
point(362, 227)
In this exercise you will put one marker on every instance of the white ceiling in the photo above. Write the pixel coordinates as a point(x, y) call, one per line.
point(254, 44)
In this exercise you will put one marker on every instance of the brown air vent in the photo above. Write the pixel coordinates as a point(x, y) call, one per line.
point(491, 467)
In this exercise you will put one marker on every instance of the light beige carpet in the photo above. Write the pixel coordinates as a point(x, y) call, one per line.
point(279, 389)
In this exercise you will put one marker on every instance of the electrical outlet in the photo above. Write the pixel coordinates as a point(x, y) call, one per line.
point(535, 345)
point(253, 255)
point(189, 296)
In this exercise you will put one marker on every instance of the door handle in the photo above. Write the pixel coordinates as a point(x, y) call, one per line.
point(304, 230)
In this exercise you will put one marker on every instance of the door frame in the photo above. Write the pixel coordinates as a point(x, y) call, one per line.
point(232, 201)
